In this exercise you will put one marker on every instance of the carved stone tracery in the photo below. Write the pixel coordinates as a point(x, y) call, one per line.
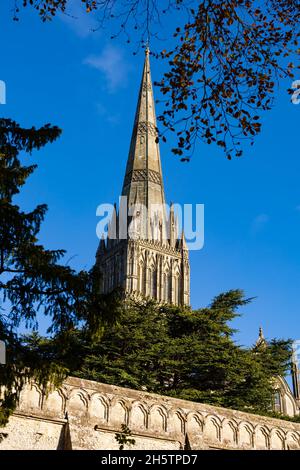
point(146, 86)
point(145, 127)
point(143, 175)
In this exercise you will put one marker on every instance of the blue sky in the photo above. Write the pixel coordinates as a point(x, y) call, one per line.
point(62, 73)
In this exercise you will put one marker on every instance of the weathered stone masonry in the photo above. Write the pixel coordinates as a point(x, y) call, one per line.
point(86, 415)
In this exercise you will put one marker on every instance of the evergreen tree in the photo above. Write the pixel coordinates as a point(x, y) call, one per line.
point(31, 279)
point(185, 354)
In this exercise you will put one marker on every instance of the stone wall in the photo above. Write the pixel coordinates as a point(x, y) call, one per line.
point(86, 415)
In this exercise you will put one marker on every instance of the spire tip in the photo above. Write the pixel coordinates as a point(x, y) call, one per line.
point(147, 47)
point(261, 334)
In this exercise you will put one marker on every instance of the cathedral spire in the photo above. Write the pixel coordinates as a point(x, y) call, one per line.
point(143, 171)
point(149, 260)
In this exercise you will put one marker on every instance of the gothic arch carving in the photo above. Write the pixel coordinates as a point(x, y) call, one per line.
point(277, 439)
point(292, 440)
point(158, 418)
point(152, 261)
point(142, 255)
point(117, 399)
point(55, 401)
point(119, 411)
point(180, 411)
point(179, 420)
point(80, 391)
point(99, 406)
point(142, 275)
point(78, 403)
point(83, 394)
point(212, 427)
point(177, 287)
point(195, 422)
point(139, 415)
point(288, 403)
point(262, 437)
point(230, 431)
point(31, 397)
point(153, 281)
point(177, 268)
point(246, 434)
point(143, 404)
point(167, 285)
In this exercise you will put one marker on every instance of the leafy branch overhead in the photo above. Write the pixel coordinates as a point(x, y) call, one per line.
point(223, 60)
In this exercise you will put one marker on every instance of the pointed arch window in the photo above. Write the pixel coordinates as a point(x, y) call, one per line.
point(277, 402)
point(177, 289)
point(164, 287)
point(166, 275)
point(142, 278)
point(153, 282)
point(170, 287)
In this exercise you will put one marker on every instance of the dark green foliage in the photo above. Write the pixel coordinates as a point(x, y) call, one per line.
point(31, 279)
point(123, 437)
point(185, 354)
point(163, 349)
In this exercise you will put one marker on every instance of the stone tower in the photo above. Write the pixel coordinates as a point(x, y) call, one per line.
point(145, 256)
